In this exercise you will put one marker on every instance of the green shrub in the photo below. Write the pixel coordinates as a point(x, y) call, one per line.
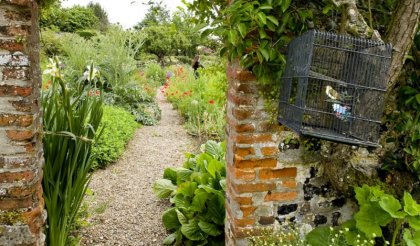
point(118, 127)
point(155, 74)
point(197, 191)
point(70, 121)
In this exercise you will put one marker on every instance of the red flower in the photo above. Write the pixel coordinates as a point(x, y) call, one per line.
point(211, 101)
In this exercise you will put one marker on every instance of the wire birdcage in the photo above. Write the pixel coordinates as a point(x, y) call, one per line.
point(333, 87)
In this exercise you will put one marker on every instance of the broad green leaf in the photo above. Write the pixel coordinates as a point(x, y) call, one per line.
point(199, 200)
point(223, 184)
point(410, 206)
point(170, 239)
point(266, 7)
point(369, 220)
point(170, 219)
point(265, 53)
point(285, 5)
point(414, 222)
point(273, 20)
point(392, 206)
point(181, 217)
point(180, 201)
point(262, 33)
point(170, 174)
point(214, 166)
point(319, 236)
point(216, 209)
point(411, 239)
point(262, 18)
point(243, 30)
point(163, 188)
point(183, 174)
point(192, 231)
point(214, 149)
point(187, 188)
point(210, 228)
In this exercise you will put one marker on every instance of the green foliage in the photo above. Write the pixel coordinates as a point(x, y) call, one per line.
point(68, 19)
point(101, 14)
point(118, 127)
point(157, 14)
point(136, 101)
point(163, 40)
point(71, 120)
point(155, 74)
point(200, 101)
point(197, 191)
point(378, 210)
point(114, 55)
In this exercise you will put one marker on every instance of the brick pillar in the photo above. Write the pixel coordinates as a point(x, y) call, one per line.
point(21, 203)
point(256, 183)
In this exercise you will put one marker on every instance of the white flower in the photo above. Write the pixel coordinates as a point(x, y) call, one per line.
point(90, 73)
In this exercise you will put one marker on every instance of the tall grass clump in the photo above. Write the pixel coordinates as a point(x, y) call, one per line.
point(71, 119)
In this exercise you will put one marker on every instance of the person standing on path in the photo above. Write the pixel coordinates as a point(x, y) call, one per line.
point(196, 65)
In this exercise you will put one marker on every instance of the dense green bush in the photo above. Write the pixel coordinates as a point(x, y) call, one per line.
point(118, 127)
point(197, 191)
point(69, 19)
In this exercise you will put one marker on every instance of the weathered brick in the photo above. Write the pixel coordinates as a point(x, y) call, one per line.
point(278, 173)
point(13, 15)
point(242, 99)
point(17, 135)
point(24, 191)
point(256, 163)
point(11, 45)
point(16, 120)
point(243, 152)
point(16, 30)
point(10, 177)
point(292, 184)
point(269, 151)
point(242, 174)
point(247, 210)
point(247, 113)
point(253, 187)
point(254, 138)
point(280, 196)
point(22, 105)
point(15, 162)
point(10, 90)
point(25, 3)
point(244, 222)
point(15, 73)
point(8, 204)
point(243, 128)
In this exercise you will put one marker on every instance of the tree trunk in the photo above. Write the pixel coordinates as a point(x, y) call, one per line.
point(402, 29)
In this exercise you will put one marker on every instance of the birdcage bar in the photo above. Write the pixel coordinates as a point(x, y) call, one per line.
point(333, 87)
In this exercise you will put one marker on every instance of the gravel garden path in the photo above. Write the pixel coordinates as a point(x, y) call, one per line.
point(124, 210)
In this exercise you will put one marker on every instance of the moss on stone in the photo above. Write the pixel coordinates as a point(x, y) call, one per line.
point(10, 218)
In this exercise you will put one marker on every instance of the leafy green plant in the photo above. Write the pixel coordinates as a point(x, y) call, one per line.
point(197, 191)
point(71, 121)
point(378, 211)
point(118, 127)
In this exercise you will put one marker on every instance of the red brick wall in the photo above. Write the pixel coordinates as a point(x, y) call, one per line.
point(21, 203)
point(256, 183)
